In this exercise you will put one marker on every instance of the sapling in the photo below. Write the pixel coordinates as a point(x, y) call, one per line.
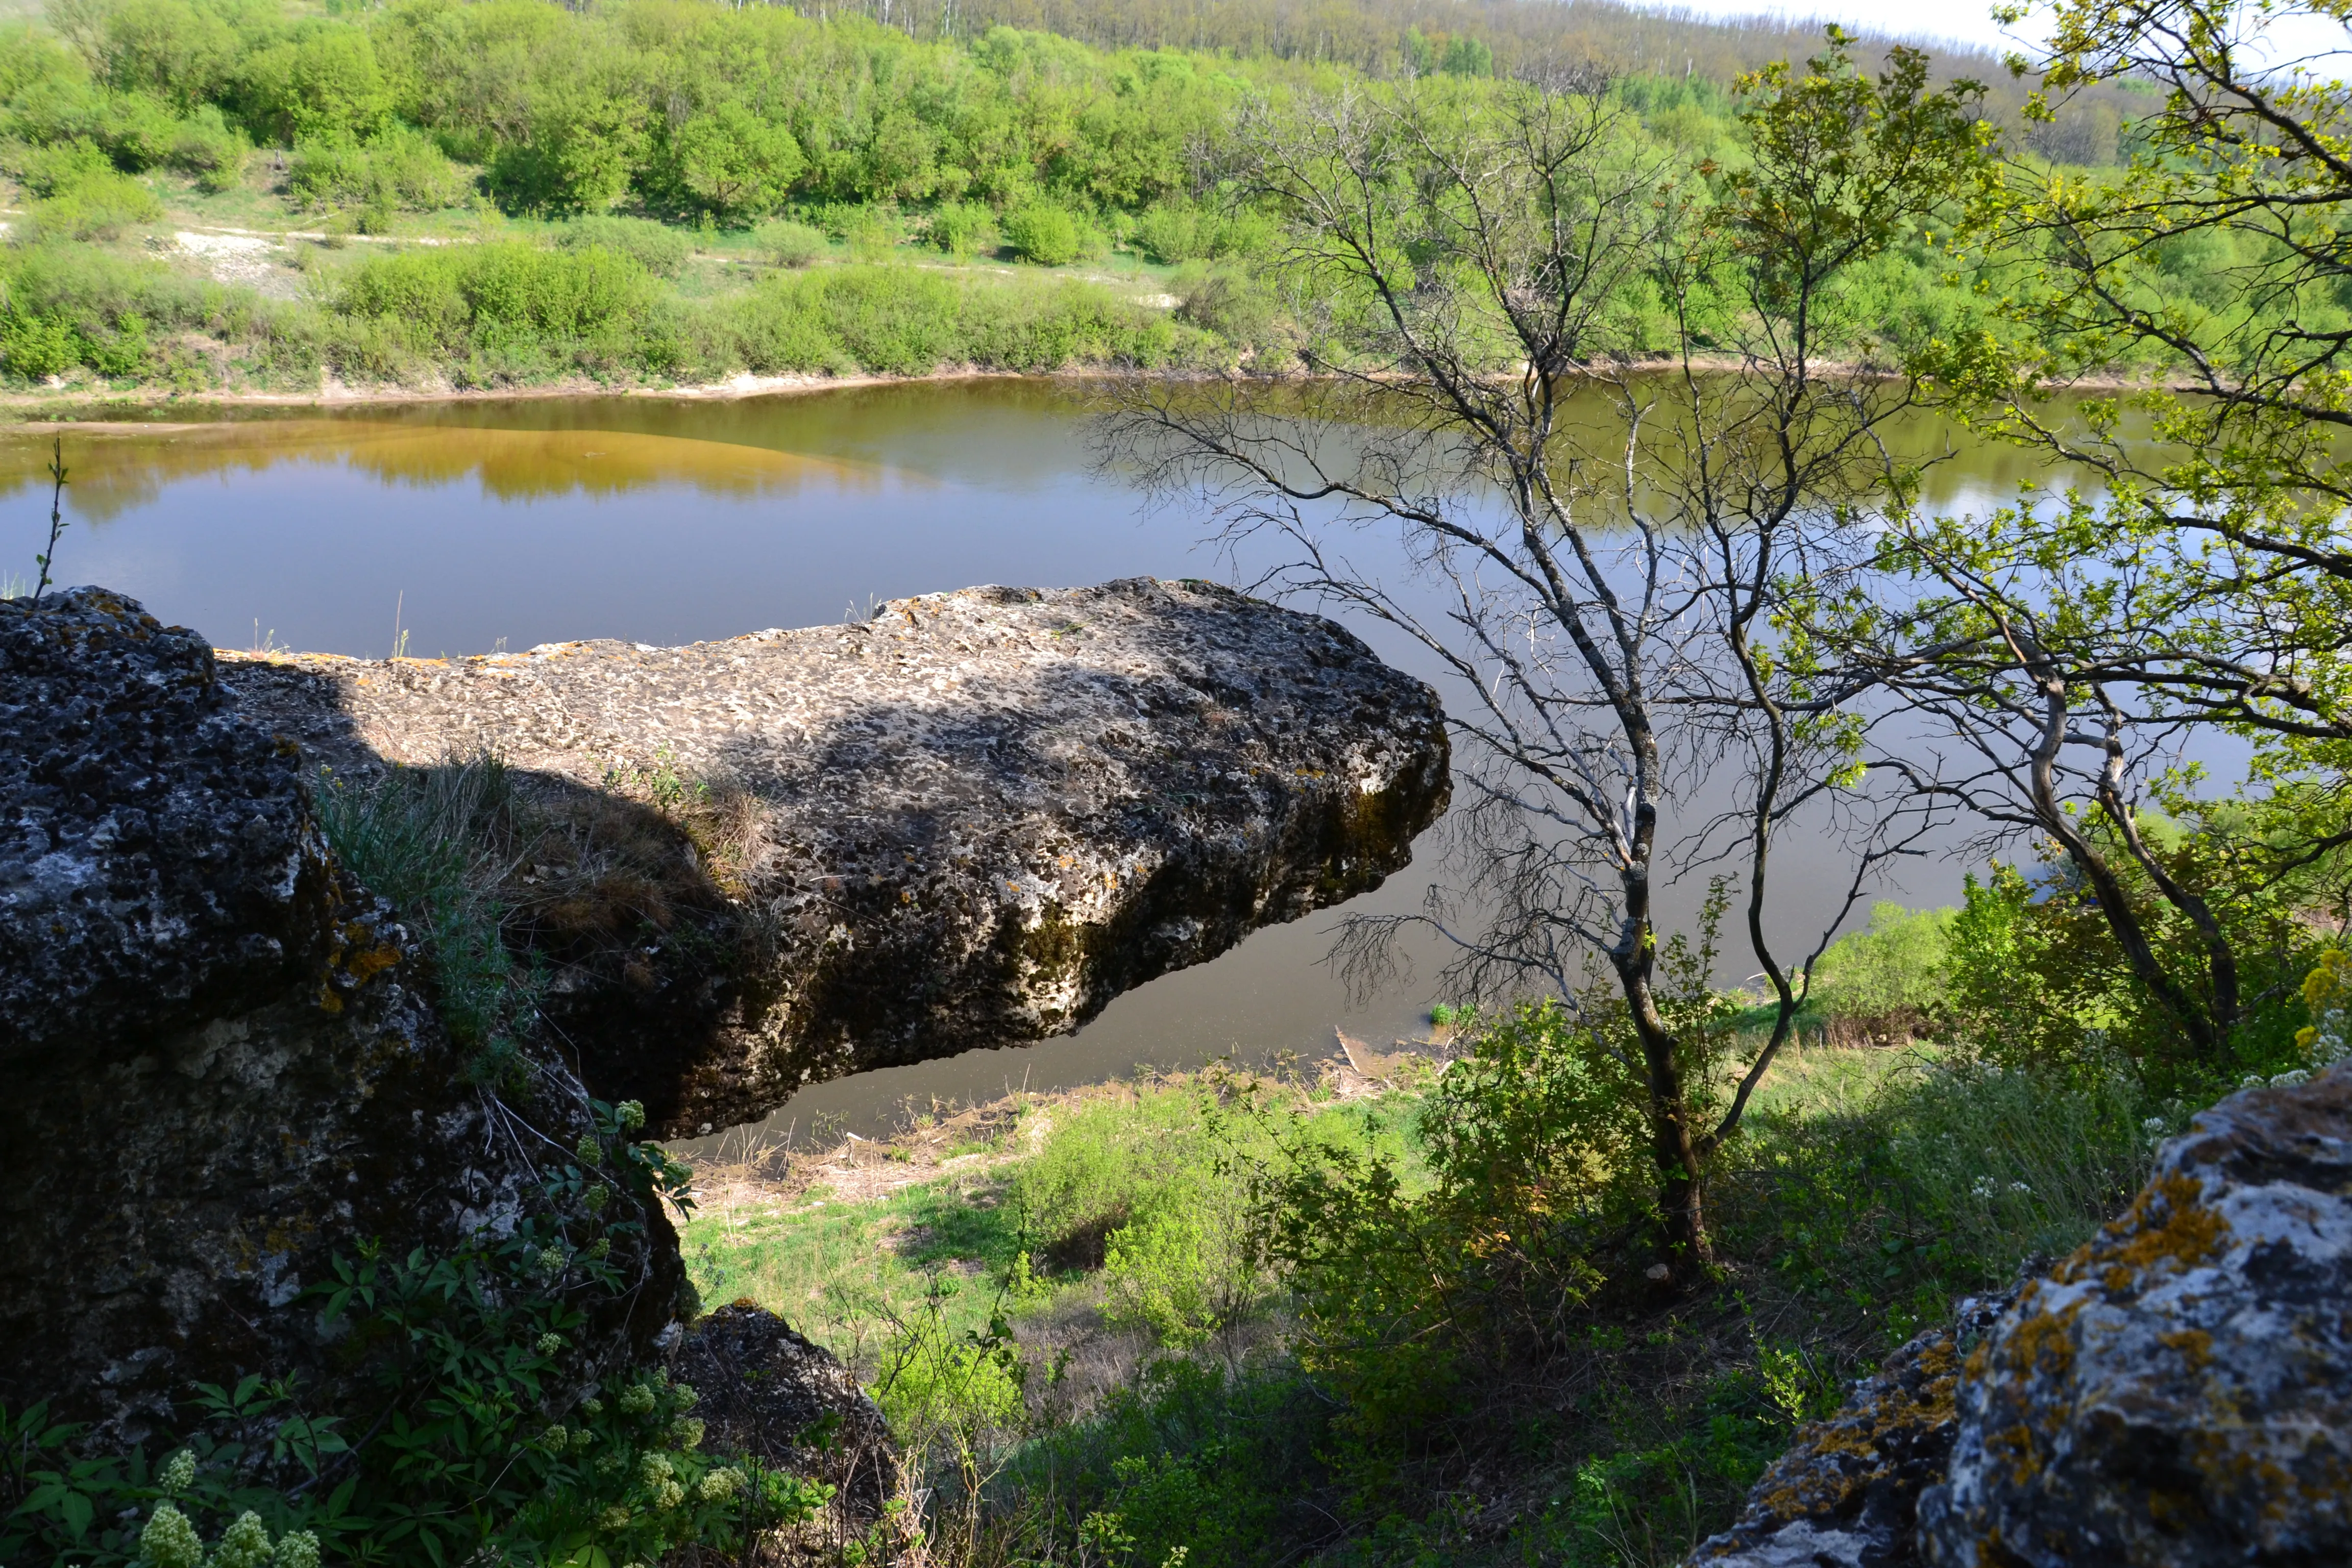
point(57, 514)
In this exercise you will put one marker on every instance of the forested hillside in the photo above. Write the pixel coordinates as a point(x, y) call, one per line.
point(764, 144)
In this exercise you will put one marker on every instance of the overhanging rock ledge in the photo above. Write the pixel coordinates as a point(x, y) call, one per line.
point(969, 820)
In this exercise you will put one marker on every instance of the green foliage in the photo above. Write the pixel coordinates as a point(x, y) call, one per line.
point(963, 228)
point(498, 1442)
point(513, 309)
point(1044, 233)
point(1534, 1144)
point(2038, 980)
point(1189, 1465)
point(1173, 231)
point(731, 163)
point(790, 244)
point(81, 193)
point(70, 305)
point(1886, 980)
point(1231, 304)
point(400, 171)
point(660, 250)
point(908, 322)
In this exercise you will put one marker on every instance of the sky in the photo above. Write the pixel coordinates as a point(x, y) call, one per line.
point(1970, 22)
point(1961, 21)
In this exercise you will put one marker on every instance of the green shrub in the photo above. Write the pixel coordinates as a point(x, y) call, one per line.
point(1235, 307)
point(660, 249)
point(731, 162)
point(1172, 232)
point(205, 146)
point(892, 320)
point(963, 228)
point(110, 311)
point(1169, 234)
point(2037, 979)
point(1043, 233)
point(402, 169)
point(789, 243)
point(500, 297)
point(38, 347)
point(98, 207)
point(54, 169)
point(1885, 981)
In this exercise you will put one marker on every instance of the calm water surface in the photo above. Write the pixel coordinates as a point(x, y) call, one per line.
point(468, 527)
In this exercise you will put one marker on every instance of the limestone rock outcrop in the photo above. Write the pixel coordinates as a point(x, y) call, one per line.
point(968, 821)
point(767, 1393)
point(2178, 1393)
point(158, 870)
point(220, 1067)
point(1847, 1492)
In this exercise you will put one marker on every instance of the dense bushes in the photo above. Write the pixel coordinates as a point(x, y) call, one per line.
point(400, 171)
point(904, 322)
point(501, 1440)
point(2038, 979)
point(71, 305)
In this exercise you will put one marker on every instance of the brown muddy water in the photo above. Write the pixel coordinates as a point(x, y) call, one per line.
point(462, 528)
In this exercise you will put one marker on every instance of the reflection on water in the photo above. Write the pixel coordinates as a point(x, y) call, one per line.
point(124, 468)
point(470, 526)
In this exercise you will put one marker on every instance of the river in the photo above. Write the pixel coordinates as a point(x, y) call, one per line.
point(467, 527)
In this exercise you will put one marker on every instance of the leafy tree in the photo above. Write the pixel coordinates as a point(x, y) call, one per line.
point(732, 164)
point(1601, 571)
point(2197, 576)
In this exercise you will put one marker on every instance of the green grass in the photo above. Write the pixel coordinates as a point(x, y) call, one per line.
point(838, 1270)
point(1141, 1374)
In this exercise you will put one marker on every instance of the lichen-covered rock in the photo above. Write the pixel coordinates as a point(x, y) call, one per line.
point(969, 821)
point(2178, 1393)
point(156, 867)
point(263, 1084)
point(1846, 1494)
point(769, 1393)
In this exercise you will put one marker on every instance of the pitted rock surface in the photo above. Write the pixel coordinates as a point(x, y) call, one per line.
point(156, 864)
point(1846, 1494)
point(768, 1392)
point(263, 1084)
point(979, 815)
point(2177, 1392)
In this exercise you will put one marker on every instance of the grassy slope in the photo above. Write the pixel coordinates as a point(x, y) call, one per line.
point(1872, 1187)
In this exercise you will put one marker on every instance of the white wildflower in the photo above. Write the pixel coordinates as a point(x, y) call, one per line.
point(169, 1540)
point(244, 1544)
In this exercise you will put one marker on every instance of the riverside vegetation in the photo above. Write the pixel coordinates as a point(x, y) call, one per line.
point(1239, 1318)
point(1487, 1316)
point(661, 192)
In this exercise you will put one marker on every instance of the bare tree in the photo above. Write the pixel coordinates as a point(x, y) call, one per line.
point(1598, 544)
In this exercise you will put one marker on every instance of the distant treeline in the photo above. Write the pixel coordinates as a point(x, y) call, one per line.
point(688, 109)
point(1388, 38)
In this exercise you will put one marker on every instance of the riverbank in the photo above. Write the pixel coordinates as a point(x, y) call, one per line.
point(339, 395)
point(1067, 1306)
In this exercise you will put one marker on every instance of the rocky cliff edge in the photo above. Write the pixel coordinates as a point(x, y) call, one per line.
point(969, 820)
